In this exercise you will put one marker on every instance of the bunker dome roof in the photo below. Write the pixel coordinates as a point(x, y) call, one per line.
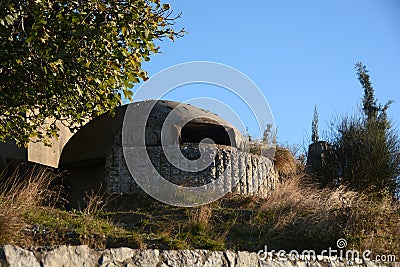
point(96, 139)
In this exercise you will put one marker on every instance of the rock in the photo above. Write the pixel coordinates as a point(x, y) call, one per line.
point(115, 256)
point(172, 258)
point(118, 257)
point(71, 256)
point(246, 258)
point(16, 256)
point(148, 257)
point(215, 258)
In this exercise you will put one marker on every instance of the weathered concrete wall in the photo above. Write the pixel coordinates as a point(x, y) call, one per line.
point(49, 156)
point(255, 174)
point(84, 256)
point(36, 152)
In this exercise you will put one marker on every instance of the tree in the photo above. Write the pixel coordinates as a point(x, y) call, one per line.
point(314, 126)
point(366, 147)
point(70, 61)
point(373, 112)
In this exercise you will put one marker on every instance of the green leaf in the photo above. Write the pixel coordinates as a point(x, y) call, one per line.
point(128, 94)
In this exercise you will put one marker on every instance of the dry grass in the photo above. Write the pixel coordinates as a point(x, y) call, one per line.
point(298, 194)
point(374, 225)
point(200, 214)
point(198, 230)
point(95, 204)
point(300, 215)
point(19, 196)
point(284, 160)
point(285, 163)
point(29, 216)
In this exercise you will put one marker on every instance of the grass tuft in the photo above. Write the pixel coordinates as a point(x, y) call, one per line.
point(20, 194)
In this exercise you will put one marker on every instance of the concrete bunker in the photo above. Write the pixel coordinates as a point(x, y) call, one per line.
point(93, 159)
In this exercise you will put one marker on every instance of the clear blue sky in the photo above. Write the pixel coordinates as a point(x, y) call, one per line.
point(299, 53)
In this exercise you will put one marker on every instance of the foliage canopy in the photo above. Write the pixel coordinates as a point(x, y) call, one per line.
point(70, 61)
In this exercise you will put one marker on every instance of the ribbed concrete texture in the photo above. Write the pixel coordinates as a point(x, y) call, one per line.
point(245, 173)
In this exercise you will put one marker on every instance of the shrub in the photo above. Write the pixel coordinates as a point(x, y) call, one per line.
point(285, 163)
point(365, 148)
point(367, 156)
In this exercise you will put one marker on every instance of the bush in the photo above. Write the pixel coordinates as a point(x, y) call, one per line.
point(367, 156)
point(285, 163)
point(364, 149)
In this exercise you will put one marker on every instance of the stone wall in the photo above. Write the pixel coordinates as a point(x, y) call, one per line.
point(84, 256)
point(255, 174)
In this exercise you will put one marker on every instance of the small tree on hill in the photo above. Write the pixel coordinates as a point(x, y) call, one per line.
point(366, 147)
point(314, 126)
point(269, 135)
